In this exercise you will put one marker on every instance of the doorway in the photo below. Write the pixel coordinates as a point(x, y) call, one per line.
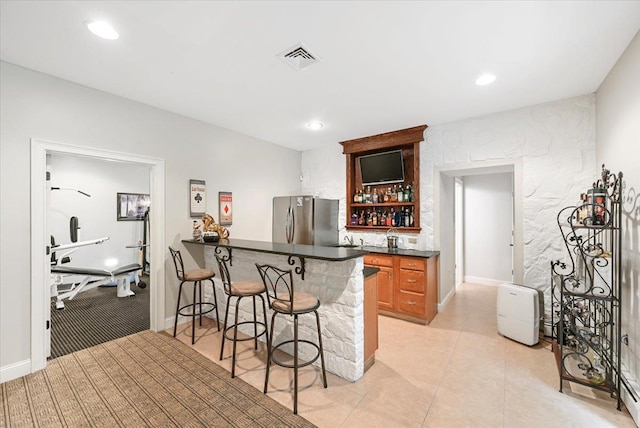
point(444, 219)
point(40, 239)
point(83, 208)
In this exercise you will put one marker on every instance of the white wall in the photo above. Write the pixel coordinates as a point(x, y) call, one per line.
point(97, 214)
point(618, 146)
point(487, 229)
point(34, 105)
point(554, 143)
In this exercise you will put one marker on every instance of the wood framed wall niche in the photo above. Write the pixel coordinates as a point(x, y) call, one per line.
point(408, 140)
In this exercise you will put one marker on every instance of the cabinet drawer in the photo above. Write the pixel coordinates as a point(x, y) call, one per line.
point(410, 263)
point(411, 280)
point(411, 303)
point(377, 260)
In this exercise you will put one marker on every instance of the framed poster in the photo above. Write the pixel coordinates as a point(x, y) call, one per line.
point(225, 203)
point(197, 198)
point(132, 206)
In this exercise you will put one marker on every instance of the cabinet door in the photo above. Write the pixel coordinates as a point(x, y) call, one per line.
point(385, 288)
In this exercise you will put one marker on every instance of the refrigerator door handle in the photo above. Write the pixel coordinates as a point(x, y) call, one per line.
point(289, 225)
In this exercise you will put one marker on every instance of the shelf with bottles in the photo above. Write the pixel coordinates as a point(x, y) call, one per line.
point(365, 217)
point(396, 194)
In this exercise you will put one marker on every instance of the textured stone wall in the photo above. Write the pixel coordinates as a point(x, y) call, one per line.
point(555, 143)
point(339, 287)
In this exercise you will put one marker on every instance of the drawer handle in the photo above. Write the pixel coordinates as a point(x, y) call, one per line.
point(411, 303)
point(411, 281)
point(411, 264)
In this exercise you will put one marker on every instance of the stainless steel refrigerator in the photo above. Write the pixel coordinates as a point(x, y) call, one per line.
point(305, 220)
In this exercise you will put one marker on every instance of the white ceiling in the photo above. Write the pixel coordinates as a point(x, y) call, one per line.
point(385, 65)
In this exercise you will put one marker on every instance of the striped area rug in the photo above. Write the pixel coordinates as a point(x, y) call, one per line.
point(144, 380)
point(97, 316)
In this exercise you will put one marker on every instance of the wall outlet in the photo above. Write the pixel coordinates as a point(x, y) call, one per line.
point(413, 240)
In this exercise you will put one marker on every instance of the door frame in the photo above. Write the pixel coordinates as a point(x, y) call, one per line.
point(40, 292)
point(458, 227)
point(442, 220)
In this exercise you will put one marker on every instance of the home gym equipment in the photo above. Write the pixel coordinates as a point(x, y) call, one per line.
point(143, 245)
point(91, 277)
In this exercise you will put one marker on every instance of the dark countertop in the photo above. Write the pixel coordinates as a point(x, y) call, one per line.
point(369, 270)
point(307, 251)
point(400, 252)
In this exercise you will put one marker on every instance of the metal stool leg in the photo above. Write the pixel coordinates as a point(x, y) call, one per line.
point(193, 314)
point(255, 324)
point(215, 302)
point(235, 339)
point(295, 364)
point(224, 331)
point(269, 349)
point(200, 296)
point(324, 372)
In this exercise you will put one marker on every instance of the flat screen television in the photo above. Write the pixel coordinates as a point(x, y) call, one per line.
point(382, 168)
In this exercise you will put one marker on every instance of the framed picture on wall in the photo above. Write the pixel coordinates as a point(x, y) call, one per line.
point(198, 198)
point(132, 206)
point(225, 204)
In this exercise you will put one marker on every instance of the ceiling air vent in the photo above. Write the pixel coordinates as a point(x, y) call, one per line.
point(299, 57)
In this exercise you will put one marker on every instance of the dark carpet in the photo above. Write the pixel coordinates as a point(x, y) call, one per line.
point(98, 316)
point(144, 380)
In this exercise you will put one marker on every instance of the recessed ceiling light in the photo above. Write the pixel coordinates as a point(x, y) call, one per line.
point(102, 29)
point(314, 126)
point(485, 79)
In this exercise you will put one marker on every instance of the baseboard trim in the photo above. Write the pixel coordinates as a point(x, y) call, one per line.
point(484, 281)
point(442, 306)
point(15, 370)
point(632, 406)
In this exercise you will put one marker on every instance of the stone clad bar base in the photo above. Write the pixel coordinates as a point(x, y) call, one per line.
point(338, 284)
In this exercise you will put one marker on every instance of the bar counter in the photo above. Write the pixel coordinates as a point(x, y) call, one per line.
point(333, 274)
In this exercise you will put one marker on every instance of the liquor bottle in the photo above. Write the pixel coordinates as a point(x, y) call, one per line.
point(354, 219)
point(374, 218)
point(398, 219)
point(400, 193)
point(367, 195)
point(412, 220)
point(409, 194)
point(387, 195)
point(393, 218)
point(383, 219)
point(394, 194)
point(374, 197)
point(361, 220)
point(406, 219)
point(369, 219)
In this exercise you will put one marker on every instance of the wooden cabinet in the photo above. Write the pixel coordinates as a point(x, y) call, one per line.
point(384, 277)
point(407, 286)
point(408, 141)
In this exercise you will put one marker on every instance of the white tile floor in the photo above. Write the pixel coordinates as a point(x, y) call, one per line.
point(456, 372)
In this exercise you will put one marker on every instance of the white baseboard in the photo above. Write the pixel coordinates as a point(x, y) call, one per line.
point(15, 370)
point(632, 406)
point(484, 281)
point(442, 306)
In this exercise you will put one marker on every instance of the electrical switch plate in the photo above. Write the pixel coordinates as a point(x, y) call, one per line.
point(413, 240)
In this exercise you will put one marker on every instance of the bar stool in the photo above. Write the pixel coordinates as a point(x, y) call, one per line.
point(283, 300)
point(240, 290)
point(196, 276)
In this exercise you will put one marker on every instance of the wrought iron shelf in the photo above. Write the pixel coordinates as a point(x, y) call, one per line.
point(586, 325)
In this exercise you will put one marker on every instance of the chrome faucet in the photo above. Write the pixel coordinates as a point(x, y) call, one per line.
point(349, 239)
